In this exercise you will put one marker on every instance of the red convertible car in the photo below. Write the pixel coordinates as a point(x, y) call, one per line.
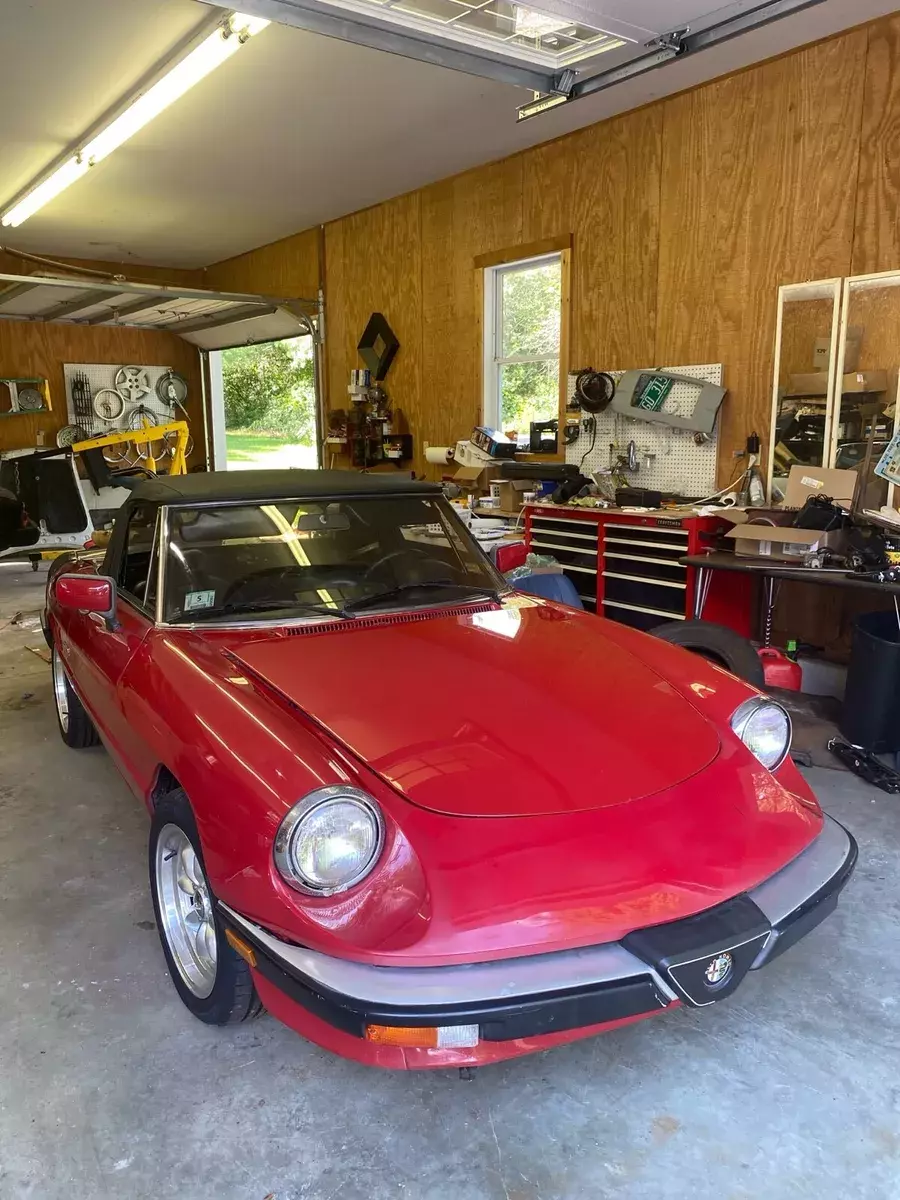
point(423, 819)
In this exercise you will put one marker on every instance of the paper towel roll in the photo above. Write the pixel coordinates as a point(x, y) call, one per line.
point(439, 454)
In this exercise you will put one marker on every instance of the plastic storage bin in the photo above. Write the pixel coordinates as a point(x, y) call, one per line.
point(871, 712)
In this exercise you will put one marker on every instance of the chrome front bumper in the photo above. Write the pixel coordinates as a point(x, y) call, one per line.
point(568, 988)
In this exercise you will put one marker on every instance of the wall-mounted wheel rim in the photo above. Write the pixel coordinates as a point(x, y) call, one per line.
point(60, 692)
point(186, 915)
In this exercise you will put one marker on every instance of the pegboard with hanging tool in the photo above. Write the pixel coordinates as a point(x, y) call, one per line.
point(105, 398)
point(668, 459)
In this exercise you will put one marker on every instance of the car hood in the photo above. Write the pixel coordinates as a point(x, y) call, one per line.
point(526, 710)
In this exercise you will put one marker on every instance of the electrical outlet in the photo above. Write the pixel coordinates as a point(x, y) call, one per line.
point(738, 453)
point(587, 424)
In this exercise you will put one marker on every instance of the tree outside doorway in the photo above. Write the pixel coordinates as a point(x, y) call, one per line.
point(270, 405)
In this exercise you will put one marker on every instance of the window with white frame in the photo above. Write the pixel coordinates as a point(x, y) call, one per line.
point(522, 307)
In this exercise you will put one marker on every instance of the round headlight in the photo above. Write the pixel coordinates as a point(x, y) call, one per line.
point(329, 841)
point(765, 729)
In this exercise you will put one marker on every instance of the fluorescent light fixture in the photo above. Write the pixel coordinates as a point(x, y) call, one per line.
point(212, 51)
point(65, 175)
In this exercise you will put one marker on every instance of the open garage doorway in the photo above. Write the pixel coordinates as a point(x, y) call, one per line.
point(264, 405)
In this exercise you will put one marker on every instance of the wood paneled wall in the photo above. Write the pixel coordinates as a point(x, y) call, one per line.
point(289, 268)
point(685, 216)
point(28, 348)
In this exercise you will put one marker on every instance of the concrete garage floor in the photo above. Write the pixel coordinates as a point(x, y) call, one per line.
point(109, 1088)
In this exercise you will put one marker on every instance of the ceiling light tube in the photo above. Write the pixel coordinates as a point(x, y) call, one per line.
point(61, 178)
point(211, 52)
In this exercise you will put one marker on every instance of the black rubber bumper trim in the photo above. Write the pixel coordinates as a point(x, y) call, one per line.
point(498, 1020)
point(816, 908)
point(556, 1012)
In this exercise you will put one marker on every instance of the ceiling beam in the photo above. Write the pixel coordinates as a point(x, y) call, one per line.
point(115, 314)
point(69, 307)
point(240, 312)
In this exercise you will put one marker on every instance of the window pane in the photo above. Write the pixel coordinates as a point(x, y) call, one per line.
point(530, 308)
point(528, 392)
point(135, 568)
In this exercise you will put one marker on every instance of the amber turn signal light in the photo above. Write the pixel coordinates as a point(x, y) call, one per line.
point(244, 949)
point(425, 1037)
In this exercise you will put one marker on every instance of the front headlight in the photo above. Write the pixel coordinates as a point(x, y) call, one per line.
point(765, 729)
point(329, 841)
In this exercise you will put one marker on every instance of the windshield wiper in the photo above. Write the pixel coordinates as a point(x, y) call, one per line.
point(260, 606)
point(471, 590)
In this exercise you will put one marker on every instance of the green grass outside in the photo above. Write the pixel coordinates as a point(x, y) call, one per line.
point(246, 449)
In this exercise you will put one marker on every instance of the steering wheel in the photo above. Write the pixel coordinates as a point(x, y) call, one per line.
point(276, 576)
point(411, 558)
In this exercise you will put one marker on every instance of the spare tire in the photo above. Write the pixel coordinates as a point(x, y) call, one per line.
point(719, 644)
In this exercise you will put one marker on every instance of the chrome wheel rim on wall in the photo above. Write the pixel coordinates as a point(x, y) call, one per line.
point(185, 910)
point(59, 691)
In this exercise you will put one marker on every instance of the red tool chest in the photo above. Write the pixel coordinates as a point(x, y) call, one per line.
point(625, 565)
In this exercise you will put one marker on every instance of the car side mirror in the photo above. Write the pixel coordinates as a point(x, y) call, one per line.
point(88, 594)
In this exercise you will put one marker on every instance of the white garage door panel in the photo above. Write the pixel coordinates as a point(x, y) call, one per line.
point(268, 328)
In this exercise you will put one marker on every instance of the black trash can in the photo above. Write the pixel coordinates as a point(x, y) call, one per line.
point(871, 713)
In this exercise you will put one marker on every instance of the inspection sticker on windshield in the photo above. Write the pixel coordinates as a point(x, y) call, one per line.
point(199, 600)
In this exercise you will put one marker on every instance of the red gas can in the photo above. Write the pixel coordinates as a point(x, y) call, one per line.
point(779, 670)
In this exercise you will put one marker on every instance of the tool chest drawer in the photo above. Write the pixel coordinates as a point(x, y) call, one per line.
point(621, 562)
point(666, 598)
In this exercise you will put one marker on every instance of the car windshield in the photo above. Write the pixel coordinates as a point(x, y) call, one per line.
point(301, 558)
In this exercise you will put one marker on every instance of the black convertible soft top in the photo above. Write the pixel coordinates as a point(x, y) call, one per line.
point(211, 487)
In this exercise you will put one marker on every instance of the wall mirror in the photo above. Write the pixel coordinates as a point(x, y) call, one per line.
point(806, 335)
point(867, 370)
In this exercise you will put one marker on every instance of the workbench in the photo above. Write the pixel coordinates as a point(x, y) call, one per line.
point(772, 572)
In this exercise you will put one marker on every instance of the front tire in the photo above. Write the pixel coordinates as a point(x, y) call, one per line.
point(212, 980)
point(75, 727)
point(719, 644)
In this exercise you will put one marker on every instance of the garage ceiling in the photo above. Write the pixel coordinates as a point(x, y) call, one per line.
point(295, 130)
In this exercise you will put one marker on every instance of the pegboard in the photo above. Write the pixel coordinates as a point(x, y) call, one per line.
point(670, 459)
point(102, 376)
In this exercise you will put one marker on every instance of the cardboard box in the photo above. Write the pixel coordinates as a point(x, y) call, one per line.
point(816, 384)
point(511, 493)
point(822, 350)
point(819, 481)
point(783, 542)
